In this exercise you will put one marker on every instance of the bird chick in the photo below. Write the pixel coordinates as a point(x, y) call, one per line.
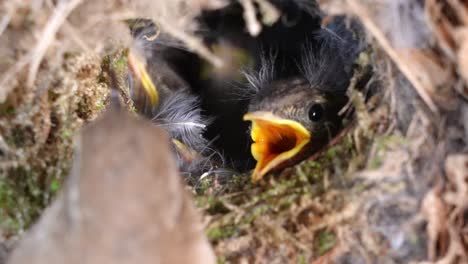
point(291, 123)
point(222, 91)
point(295, 116)
point(171, 70)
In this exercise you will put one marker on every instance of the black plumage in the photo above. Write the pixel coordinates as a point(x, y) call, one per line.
point(295, 77)
point(228, 97)
point(308, 96)
point(173, 71)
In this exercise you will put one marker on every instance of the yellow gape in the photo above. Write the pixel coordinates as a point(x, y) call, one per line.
point(276, 140)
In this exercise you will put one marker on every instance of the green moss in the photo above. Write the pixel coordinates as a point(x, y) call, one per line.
point(217, 233)
point(66, 134)
point(100, 105)
point(39, 136)
point(256, 212)
point(69, 55)
point(120, 64)
point(116, 62)
point(324, 241)
point(288, 200)
point(212, 204)
point(313, 164)
point(384, 141)
point(221, 260)
point(375, 162)
point(279, 189)
point(331, 152)
point(20, 136)
point(360, 187)
point(203, 185)
point(7, 110)
point(301, 259)
point(55, 185)
point(21, 200)
point(241, 182)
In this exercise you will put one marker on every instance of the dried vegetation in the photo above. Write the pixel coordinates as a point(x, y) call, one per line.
point(392, 188)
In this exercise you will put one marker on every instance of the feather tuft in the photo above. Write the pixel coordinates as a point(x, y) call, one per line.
point(180, 115)
point(263, 76)
point(329, 60)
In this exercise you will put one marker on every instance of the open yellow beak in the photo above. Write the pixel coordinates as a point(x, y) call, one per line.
point(185, 152)
point(139, 69)
point(276, 140)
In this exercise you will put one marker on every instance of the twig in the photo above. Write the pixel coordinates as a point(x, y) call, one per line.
point(76, 37)
point(281, 233)
point(461, 11)
point(4, 23)
point(360, 11)
point(10, 9)
point(333, 220)
point(9, 74)
point(270, 13)
point(192, 43)
point(4, 146)
point(253, 26)
point(61, 12)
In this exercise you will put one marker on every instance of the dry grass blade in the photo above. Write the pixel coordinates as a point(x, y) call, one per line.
point(9, 75)
point(269, 12)
point(63, 9)
point(193, 43)
point(250, 17)
point(4, 23)
point(359, 10)
point(461, 10)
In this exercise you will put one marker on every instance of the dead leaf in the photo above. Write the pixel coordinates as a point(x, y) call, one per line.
point(123, 203)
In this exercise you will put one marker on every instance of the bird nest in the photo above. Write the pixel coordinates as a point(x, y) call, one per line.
point(391, 187)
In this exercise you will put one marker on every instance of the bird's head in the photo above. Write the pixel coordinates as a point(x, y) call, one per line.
point(295, 97)
point(290, 121)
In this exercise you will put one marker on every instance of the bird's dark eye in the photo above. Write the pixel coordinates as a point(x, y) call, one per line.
point(316, 113)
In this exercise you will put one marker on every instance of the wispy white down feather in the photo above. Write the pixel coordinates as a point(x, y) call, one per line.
point(328, 61)
point(180, 115)
point(258, 79)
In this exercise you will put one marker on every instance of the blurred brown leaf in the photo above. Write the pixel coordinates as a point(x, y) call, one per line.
point(123, 203)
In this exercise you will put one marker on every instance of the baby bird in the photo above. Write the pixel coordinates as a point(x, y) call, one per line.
point(295, 113)
point(223, 95)
point(171, 70)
